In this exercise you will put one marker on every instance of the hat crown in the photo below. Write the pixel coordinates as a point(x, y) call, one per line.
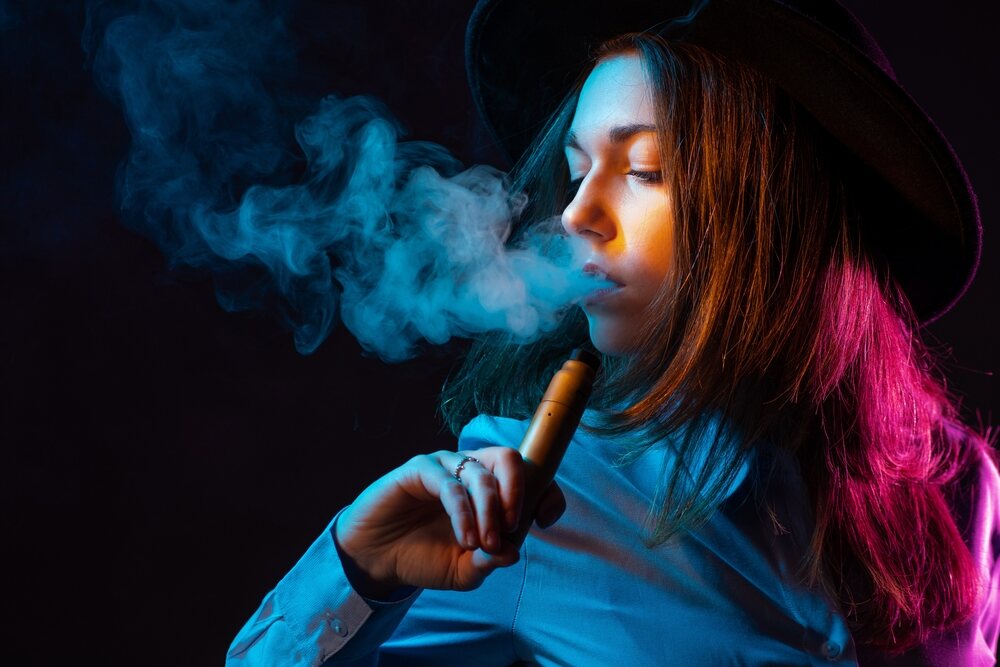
point(838, 20)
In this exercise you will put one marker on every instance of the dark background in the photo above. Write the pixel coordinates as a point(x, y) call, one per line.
point(167, 462)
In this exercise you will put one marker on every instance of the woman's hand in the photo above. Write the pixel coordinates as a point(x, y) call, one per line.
point(420, 526)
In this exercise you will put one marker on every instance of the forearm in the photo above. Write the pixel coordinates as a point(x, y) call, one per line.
point(314, 616)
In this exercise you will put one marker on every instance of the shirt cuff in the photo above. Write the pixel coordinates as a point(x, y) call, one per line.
point(324, 612)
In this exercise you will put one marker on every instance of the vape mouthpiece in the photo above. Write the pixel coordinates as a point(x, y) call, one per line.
point(551, 429)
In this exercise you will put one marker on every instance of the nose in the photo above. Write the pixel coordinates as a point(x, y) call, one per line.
point(588, 215)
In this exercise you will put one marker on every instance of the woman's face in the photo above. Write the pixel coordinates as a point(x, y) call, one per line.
point(622, 206)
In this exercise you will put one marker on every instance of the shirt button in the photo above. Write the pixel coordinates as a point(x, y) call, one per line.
point(831, 650)
point(338, 626)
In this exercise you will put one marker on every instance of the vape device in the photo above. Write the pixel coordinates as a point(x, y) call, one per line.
point(551, 429)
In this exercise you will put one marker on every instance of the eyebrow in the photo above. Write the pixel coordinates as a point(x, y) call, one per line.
point(616, 135)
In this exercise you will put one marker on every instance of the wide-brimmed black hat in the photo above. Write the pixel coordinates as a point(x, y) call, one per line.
point(523, 56)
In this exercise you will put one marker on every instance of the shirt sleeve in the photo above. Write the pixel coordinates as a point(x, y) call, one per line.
point(314, 616)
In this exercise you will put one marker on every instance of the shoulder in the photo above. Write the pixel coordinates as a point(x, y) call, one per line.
point(974, 499)
point(974, 493)
point(488, 431)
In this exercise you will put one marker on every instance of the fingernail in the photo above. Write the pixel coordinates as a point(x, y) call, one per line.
point(491, 540)
point(470, 540)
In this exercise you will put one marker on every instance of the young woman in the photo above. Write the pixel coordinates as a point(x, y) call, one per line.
point(770, 472)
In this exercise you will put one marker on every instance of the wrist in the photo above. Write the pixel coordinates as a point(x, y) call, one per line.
point(361, 580)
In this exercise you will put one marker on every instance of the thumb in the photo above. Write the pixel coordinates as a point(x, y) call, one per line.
point(483, 563)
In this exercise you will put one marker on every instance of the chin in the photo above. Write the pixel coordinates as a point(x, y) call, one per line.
point(607, 340)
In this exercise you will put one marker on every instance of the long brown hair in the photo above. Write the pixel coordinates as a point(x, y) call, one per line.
point(782, 323)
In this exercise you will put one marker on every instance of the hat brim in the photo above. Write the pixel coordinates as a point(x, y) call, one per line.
point(523, 57)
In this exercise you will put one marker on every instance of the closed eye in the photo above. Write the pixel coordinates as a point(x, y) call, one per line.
point(651, 177)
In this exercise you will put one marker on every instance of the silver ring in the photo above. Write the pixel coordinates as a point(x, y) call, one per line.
point(461, 464)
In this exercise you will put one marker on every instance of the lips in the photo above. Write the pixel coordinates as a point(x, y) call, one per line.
point(601, 294)
point(598, 271)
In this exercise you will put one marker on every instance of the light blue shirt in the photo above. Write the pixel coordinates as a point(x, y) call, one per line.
point(587, 591)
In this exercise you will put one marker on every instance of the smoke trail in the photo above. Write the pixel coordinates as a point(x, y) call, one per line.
point(391, 237)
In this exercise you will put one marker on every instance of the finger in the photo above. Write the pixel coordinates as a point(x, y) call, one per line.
point(551, 506)
point(474, 566)
point(485, 563)
point(482, 486)
point(508, 468)
point(453, 496)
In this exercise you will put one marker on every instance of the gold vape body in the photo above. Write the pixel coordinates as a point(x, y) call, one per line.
point(552, 427)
